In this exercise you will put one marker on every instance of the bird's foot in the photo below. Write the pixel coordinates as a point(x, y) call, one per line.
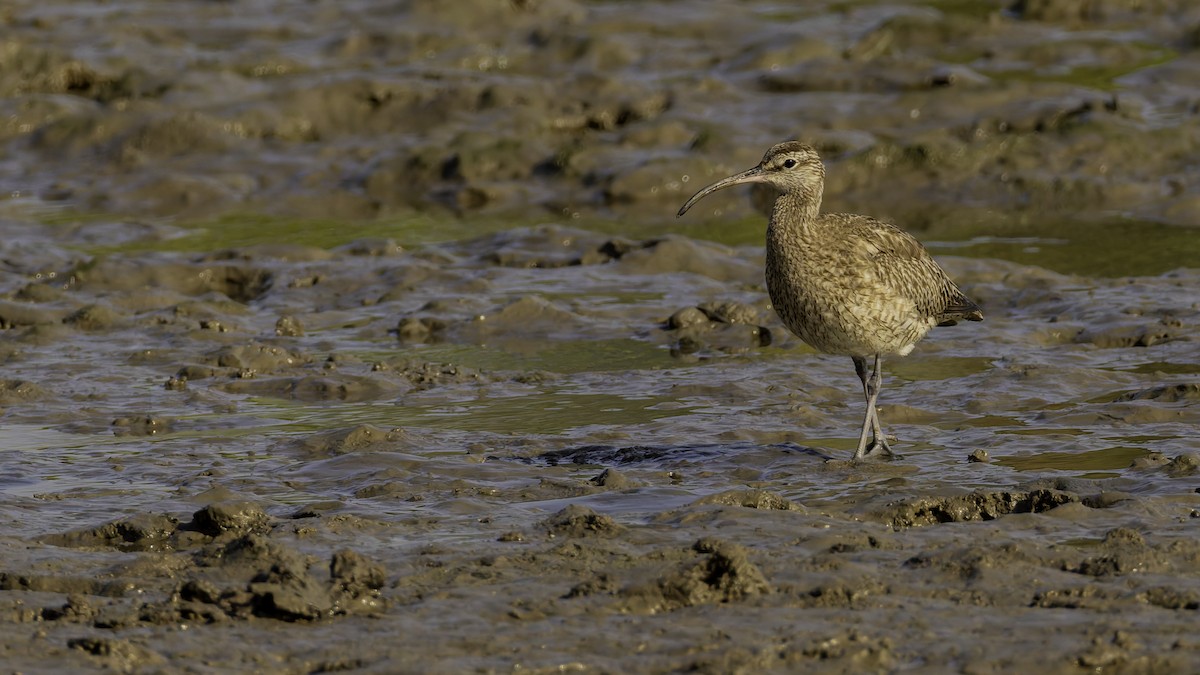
point(878, 448)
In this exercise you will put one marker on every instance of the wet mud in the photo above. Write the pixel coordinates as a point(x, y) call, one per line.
point(360, 338)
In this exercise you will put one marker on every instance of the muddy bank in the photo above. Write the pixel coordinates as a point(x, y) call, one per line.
point(569, 109)
point(1070, 581)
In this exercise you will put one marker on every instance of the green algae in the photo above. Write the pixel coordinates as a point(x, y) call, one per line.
point(1101, 459)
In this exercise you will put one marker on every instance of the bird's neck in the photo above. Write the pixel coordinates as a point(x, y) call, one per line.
point(795, 214)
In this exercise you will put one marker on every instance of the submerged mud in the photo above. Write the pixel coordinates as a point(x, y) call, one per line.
point(434, 387)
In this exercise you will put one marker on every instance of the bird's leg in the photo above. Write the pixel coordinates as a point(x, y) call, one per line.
point(869, 421)
point(871, 385)
point(879, 444)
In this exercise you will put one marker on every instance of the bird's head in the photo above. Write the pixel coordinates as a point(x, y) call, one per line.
point(790, 167)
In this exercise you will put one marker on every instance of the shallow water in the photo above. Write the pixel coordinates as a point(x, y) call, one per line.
point(447, 442)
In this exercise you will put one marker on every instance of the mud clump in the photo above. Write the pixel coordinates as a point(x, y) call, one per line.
point(581, 521)
point(611, 479)
point(1171, 598)
point(283, 588)
point(1172, 393)
point(753, 499)
point(241, 284)
point(289, 326)
point(234, 544)
point(21, 391)
point(724, 575)
point(1184, 465)
point(481, 322)
point(354, 573)
point(50, 583)
point(256, 358)
point(159, 532)
point(288, 593)
point(1124, 336)
point(730, 327)
point(143, 532)
point(531, 315)
point(15, 314)
point(236, 517)
point(426, 375)
point(852, 650)
point(117, 654)
point(93, 318)
point(311, 388)
point(978, 506)
point(141, 426)
point(415, 329)
point(362, 438)
point(77, 608)
point(679, 254)
point(1125, 552)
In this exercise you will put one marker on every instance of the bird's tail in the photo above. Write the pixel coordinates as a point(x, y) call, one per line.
point(958, 309)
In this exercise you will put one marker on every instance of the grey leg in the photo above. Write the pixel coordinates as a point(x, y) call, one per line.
point(869, 421)
point(879, 444)
point(871, 386)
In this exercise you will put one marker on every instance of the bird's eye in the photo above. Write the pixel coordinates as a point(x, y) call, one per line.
point(789, 163)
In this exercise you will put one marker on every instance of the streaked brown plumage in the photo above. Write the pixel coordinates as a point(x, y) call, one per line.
point(845, 283)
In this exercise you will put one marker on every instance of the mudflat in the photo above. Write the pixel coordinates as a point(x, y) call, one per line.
point(361, 337)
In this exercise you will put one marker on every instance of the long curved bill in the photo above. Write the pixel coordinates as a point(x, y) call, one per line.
point(754, 175)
